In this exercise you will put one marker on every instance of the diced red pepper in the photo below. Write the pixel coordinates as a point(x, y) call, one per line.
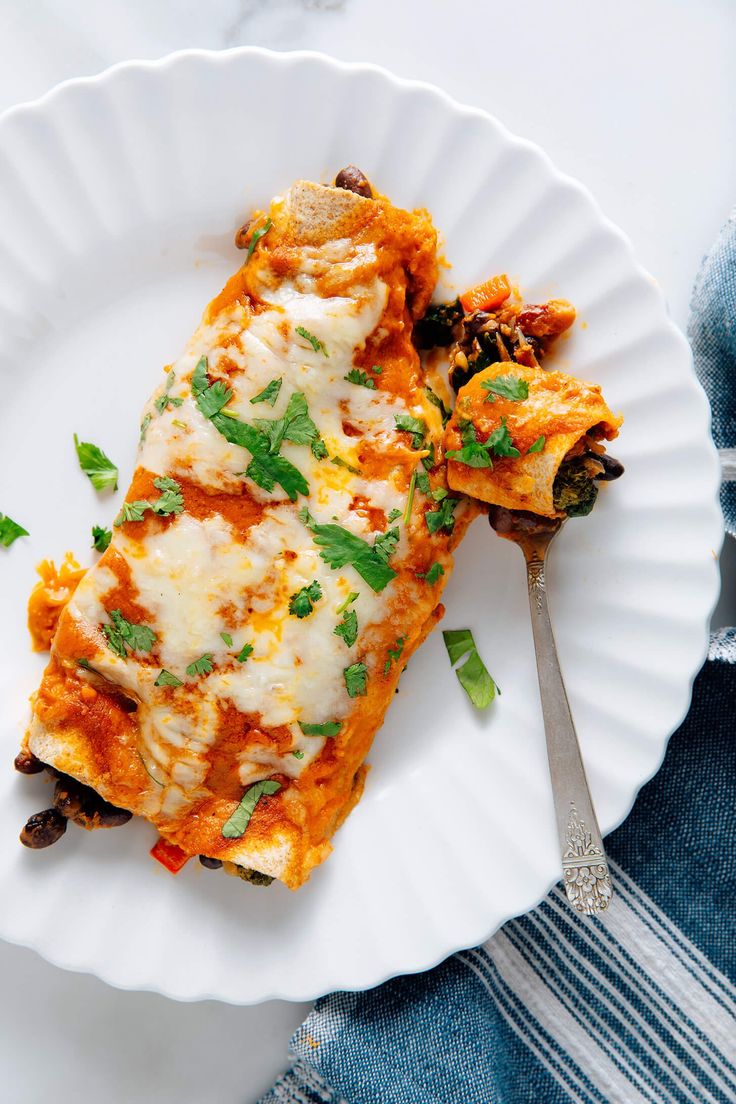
point(169, 855)
point(486, 296)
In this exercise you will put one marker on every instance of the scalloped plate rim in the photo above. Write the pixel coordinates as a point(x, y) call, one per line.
point(422, 962)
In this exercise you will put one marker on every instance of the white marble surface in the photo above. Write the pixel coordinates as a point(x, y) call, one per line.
point(636, 100)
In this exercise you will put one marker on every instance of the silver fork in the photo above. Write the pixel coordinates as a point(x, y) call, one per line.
point(585, 869)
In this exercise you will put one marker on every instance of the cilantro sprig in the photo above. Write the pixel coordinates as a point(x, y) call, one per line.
point(340, 547)
point(301, 604)
point(98, 467)
point(360, 378)
point(10, 531)
point(124, 636)
point(477, 454)
point(262, 440)
point(170, 501)
point(235, 826)
point(201, 666)
point(329, 729)
point(348, 628)
point(508, 387)
point(356, 680)
point(317, 345)
point(101, 538)
point(472, 675)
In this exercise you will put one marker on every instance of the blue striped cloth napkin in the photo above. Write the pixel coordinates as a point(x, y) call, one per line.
point(636, 1008)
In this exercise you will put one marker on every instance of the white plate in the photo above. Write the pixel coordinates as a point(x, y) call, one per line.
point(118, 200)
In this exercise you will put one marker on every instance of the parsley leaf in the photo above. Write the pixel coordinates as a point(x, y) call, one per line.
point(227, 638)
point(165, 678)
point(537, 445)
point(394, 653)
point(472, 675)
point(201, 666)
point(416, 426)
point(348, 628)
point(433, 574)
point(394, 515)
point(315, 342)
point(329, 728)
point(256, 237)
point(101, 538)
point(356, 680)
point(508, 387)
point(245, 651)
point(443, 516)
point(385, 544)
point(123, 635)
point(340, 547)
point(500, 441)
point(301, 604)
point(362, 379)
point(100, 470)
point(235, 826)
point(171, 500)
point(10, 531)
point(434, 398)
point(270, 392)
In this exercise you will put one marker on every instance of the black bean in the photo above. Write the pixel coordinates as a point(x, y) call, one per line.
point(353, 180)
point(85, 807)
point(612, 468)
point(211, 864)
point(27, 763)
point(43, 829)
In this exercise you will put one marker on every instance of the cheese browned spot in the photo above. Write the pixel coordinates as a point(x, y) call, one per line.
point(353, 273)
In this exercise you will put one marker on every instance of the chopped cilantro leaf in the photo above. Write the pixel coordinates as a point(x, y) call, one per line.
point(298, 754)
point(85, 664)
point(301, 604)
point(123, 635)
point(385, 543)
point(340, 463)
point(433, 574)
point(428, 461)
point(423, 482)
point(348, 628)
point(507, 387)
point(199, 376)
point(329, 728)
point(144, 426)
point(394, 515)
point(132, 511)
point(475, 455)
point(340, 547)
point(270, 392)
point(394, 653)
point(500, 441)
point(444, 410)
point(235, 826)
point(356, 680)
point(472, 674)
point(10, 531)
point(212, 400)
point(98, 467)
point(101, 538)
point(256, 237)
point(201, 666)
point(319, 449)
point(442, 517)
point(410, 498)
point(348, 601)
point(315, 342)
point(171, 500)
point(537, 445)
point(362, 379)
point(245, 651)
point(377, 368)
point(227, 638)
point(416, 426)
point(165, 678)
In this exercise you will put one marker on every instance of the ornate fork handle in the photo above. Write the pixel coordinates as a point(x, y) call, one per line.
point(586, 875)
